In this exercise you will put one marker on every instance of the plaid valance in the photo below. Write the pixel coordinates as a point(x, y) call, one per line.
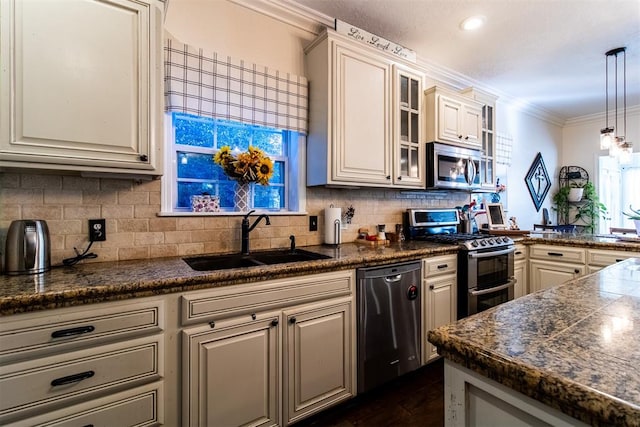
point(212, 85)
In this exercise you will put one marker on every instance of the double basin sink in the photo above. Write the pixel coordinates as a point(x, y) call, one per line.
point(223, 262)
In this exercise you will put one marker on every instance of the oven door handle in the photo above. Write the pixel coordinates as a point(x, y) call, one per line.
point(509, 284)
point(492, 253)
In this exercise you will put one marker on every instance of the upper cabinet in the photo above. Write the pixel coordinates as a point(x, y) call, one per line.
point(488, 167)
point(81, 85)
point(453, 118)
point(364, 117)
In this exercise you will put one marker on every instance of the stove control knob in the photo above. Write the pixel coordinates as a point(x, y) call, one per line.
point(505, 239)
point(490, 241)
point(483, 243)
point(474, 243)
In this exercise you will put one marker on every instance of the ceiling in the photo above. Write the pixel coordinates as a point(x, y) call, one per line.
point(546, 54)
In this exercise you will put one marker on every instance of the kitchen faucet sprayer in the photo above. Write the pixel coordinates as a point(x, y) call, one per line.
point(246, 229)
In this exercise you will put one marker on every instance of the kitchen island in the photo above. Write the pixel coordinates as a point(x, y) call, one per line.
point(571, 352)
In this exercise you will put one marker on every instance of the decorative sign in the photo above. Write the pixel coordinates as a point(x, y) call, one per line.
point(538, 181)
point(375, 41)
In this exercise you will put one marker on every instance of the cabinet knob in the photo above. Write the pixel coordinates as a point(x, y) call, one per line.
point(431, 287)
point(459, 136)
point(212, 324)
point(143, 157)
point(292, 320)
point(400, 178)
point(275, 322)
point(388, 176)
point(575, 270)
point(253, 316)
point(466, 137)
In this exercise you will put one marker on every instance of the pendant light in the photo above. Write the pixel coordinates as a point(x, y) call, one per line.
point(618, 146)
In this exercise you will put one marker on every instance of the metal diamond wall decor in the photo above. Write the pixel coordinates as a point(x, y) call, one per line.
point(538, 181)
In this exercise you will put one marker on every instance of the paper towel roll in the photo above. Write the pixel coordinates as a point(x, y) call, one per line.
point(333, 226)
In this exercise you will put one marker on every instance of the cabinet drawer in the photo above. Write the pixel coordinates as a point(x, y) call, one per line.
point(557, 253)
point(520, 253)
point(603, 258)
point(140, 406)
point(250, 298)
point(30, 335)
point(445, 264)
point(52, 382)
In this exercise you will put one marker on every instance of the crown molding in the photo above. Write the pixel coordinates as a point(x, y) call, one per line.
point(599, 117)
point(312, 21)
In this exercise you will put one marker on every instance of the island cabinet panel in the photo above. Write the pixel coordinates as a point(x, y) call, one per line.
point(81, 85)
point(319, 359)
point(439, 298)
point(473, 400)
point(552, 265)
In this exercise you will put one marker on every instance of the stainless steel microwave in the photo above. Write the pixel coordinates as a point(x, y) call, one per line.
point(452, 168)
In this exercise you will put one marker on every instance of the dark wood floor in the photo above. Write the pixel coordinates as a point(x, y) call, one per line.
point(415, 399)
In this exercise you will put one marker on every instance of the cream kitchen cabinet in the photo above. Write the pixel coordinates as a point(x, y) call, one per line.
point(600, 258)
point(359, 117)
point(268, 353)
point(453, 118)
point(83, 363)
point(552, 265)
point(440, 300)
point(488, 139)
point(318, 357)
point(520, 271)
point(81, 85)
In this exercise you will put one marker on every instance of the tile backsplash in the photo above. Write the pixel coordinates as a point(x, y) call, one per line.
point(135, 231)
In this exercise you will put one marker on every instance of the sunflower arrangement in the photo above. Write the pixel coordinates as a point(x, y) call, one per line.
point(249, 166)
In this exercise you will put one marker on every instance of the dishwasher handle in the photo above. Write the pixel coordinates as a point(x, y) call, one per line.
point(393, 279)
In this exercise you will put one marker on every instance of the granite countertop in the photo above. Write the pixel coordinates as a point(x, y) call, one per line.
point(574, 347)
point(109, 281)
point(599, 241)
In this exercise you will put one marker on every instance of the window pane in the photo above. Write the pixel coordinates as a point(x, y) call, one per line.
point(236, 137)
point(268, 197)
point(193, 130)
point(269, 142)
point(201, 166)
point(278, 173)
point(188, 189)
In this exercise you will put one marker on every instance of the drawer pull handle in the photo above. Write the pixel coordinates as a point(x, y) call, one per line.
point(518, 253)
point(619, 260)
point(75, 378)
point(72, 331)
point(443, 266)
point(554, 254)
point(89, 425)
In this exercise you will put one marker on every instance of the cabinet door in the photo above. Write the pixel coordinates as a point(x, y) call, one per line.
point(471, 126)
point(361, 142)
point(408, 149)
point(231, 372)
point(520, 271)
point(440, 306)
point(449, 119)
point(81, 90)
point(547, 274)
point(319, 357)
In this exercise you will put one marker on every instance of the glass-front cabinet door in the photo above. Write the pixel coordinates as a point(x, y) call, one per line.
point(488, 163)
point(408, 147)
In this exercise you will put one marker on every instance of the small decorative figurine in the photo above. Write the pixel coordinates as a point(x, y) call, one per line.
point(513, 225)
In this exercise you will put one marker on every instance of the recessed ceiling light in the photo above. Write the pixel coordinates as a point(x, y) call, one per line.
point(472, 23)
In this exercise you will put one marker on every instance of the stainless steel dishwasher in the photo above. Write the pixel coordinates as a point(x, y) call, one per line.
point(388, 301)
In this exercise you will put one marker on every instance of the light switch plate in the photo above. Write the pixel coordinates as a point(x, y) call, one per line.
point(313, 223)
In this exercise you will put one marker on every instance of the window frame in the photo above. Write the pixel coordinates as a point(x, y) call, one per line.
point(294, 175)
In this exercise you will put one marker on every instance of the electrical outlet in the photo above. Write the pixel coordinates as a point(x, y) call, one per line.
point(97, 230)
point(313, 223)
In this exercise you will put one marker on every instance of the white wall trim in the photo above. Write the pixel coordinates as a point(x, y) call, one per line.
point(600, 117)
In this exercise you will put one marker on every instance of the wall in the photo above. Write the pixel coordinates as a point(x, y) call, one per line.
point(135, 231)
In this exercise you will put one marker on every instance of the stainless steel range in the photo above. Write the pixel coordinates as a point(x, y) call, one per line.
point(485, 262)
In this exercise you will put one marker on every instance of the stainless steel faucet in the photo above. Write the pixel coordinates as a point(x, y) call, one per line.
point(246, 229)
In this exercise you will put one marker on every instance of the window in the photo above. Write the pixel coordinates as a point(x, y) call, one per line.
point(192, 171)
point(618, 189)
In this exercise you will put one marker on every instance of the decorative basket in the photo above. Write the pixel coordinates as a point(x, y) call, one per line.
point(205, 203)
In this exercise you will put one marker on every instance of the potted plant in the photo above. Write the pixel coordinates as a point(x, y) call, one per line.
point(561, 203)
point(590, 209)
point(575, 192)
point(635, 216)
